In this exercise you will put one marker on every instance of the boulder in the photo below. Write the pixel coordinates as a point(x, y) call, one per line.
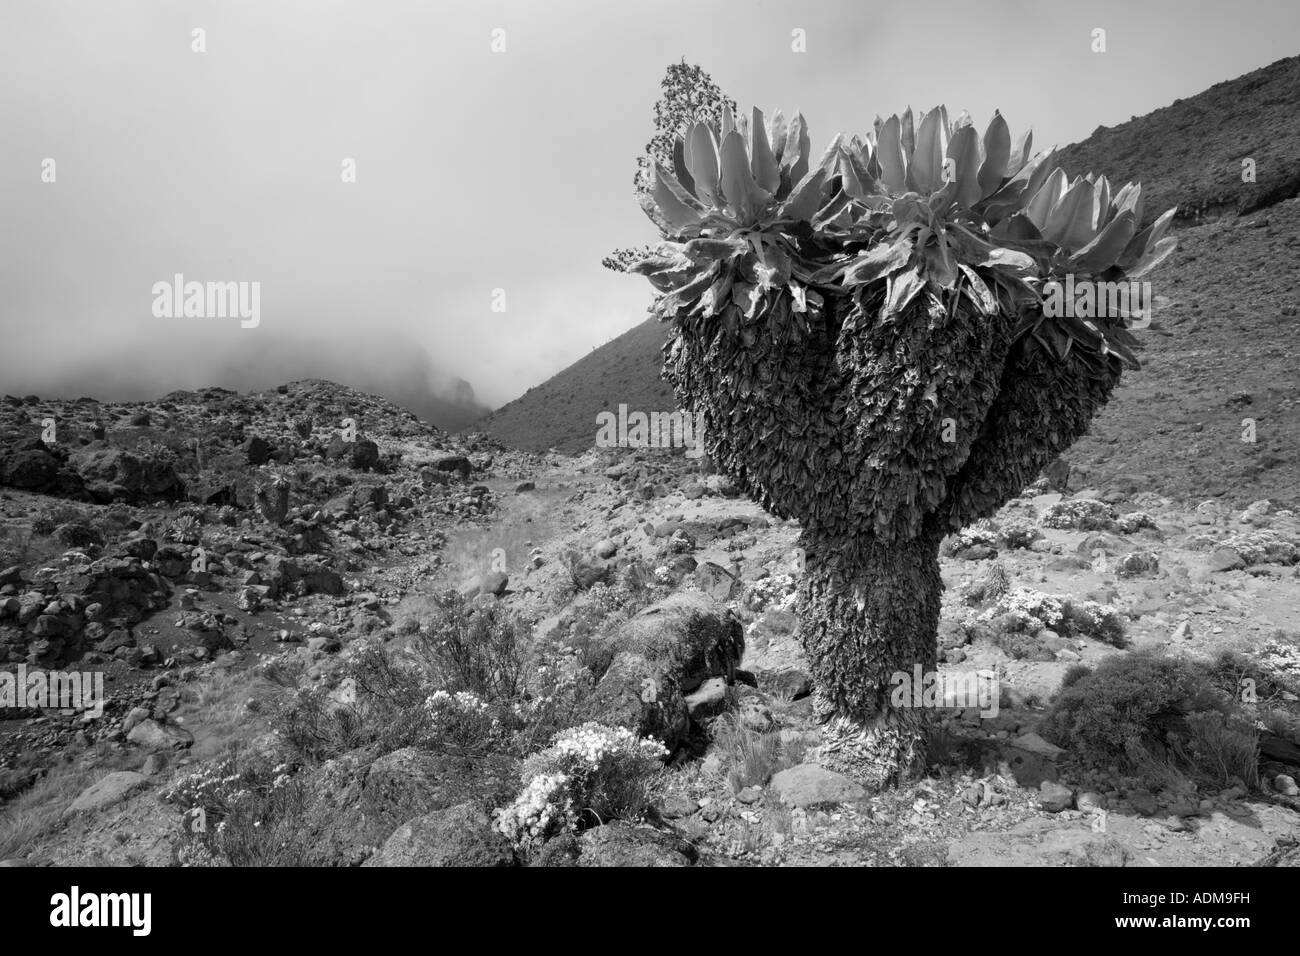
point(808, 785)
point(626, 845)
point(458, 836)
point(717, 582)
point(658, 657)
point(113, 474)
point(107, 791)
point(357, 801)
point(153, 735)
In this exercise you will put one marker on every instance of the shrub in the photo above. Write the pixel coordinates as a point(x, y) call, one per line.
point(477, 649)
point(1102, 713)
point(590, 775)
point(1133, 521)
point(1080, 514)
point(1101, 622)
point(1018, 533)
point(239, 812)
point(749, 757)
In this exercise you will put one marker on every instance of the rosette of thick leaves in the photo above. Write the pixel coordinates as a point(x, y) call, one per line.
point(978, 216)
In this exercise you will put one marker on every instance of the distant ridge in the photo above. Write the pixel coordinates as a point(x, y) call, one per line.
point(561, 412)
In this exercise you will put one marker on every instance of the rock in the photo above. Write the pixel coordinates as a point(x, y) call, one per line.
point(1054, 798)
point(1285, 784)
point(710, 699)
point(791, 683)
point(112, 474)
point(750, 795)
point(660, 655)
point(107, 791)
point(692, 490)
point(1143, 801)
point(1137, 563)
point(1057, 474)
point(152, 735)
point(1225, 559)
point(256, 450)
point(808, 785)
point(717, 582)
point(1039, 842)
point(361, 454)
point(1035, 744)
point(524, 486)
point(1182, 632)
point(625, 845)
point(676, 806)
point(355, 802)
point(458, 836)
point(606, 548)
point(457, 463)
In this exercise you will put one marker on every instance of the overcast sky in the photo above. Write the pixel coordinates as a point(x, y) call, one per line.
point(475, 171)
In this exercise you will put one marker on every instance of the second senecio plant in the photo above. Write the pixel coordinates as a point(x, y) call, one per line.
point(867, 341)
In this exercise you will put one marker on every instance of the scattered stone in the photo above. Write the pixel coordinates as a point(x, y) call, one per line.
point(458, 836)
point(107, 791)
point(808, 785)
point(1054, 798)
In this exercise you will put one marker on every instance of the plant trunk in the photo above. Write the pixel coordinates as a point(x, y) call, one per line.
point(869, 611)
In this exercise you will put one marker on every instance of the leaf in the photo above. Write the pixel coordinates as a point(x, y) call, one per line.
point(805, 197)
point(702, 164)
point(978, 292)
point(1020, 153)
point(797, 145)
point(1100, 254)
point(964, 151)
point(762, 163)
point(738, 187)
point(1040, 206)
point(925, 171)
point(679, 167)
point(902, 290)
point(878, 261)
point(889, 153)
point(776, 135)
point(1153, 257)
point(997, 154)
point(676, 212)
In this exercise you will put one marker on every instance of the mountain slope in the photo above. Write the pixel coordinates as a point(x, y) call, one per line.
point(561, 412)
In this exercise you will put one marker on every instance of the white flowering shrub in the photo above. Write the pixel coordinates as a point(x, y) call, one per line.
point(1024, 611)
point(1080, 514)
point(980, 534)
point(1261, 547)
point(238, 813)
point(1134, 521)
point(589, 775)
point(776, 591)
point(461, 723)
point(1027, 610)
point(1017, 533)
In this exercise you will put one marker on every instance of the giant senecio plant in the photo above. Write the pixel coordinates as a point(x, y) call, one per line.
point(867, 340)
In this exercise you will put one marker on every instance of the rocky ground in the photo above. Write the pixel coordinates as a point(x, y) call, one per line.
point(224, 558)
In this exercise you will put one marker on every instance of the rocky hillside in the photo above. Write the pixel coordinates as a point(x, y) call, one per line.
point(561, 412)
point(315, 698)
point(1218, 352)
point(1189, 154)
